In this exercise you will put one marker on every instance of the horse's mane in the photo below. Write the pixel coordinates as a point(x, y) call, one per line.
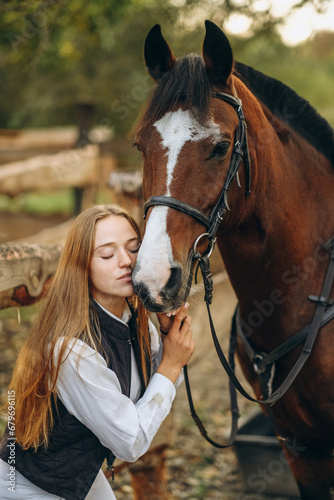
point(292, 109)
point(188, 82)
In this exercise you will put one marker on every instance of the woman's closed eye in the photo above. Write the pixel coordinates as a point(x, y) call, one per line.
point(134, 247)
point(134, 250)
point(107, 256)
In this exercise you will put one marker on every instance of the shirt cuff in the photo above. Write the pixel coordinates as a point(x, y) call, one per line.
point(161, 387)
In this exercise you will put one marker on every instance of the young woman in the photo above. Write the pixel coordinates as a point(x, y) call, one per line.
point(93, 380)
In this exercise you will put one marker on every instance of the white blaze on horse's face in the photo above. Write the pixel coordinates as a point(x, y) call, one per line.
point(178, 127)
point(155, 258)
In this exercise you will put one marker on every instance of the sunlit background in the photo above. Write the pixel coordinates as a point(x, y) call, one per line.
point(67, 65)
point(298, 23)
point(57, 52)
point(71, 75)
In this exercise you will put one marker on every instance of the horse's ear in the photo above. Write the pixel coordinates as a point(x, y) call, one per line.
point(217, 54)
point(158, 56)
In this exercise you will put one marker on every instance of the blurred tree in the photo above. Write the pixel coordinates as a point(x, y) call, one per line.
point(54, 53)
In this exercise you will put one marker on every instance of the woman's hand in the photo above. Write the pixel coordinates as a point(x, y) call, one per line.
point(166, 319)
point(178, 346)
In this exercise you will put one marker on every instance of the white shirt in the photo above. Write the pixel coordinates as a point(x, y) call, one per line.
point(92, 393)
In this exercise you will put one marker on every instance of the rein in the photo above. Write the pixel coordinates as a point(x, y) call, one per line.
point(262, 360)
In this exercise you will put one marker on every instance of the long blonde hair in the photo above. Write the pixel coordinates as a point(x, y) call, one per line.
point(64, 313)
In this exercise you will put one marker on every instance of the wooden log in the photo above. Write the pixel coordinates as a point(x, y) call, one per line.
point(51, 139)
point(18, 145)
point(32, 140)
point(129, 183)
point(25, 272)
point(77, 167)
point(127, 192)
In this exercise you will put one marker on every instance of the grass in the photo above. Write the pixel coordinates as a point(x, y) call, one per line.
point(46, 204)
point(23, 314)
point(59, 202)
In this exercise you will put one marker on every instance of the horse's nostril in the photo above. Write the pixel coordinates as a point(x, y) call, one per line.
point(174, 281)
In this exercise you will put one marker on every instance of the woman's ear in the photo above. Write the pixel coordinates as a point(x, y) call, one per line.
point(217, 54)
point(158, 56)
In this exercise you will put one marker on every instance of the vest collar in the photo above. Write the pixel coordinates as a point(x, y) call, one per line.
point(125, 316)
point(110, 323)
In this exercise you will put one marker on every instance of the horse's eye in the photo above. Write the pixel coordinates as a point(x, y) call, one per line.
point(220, 150)
point(135, 144)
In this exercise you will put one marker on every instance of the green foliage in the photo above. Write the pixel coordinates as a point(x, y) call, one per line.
point(54, 53)
point(308, 68)
point(59, 202)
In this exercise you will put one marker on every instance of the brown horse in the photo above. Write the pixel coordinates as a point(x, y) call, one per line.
point(271, 239)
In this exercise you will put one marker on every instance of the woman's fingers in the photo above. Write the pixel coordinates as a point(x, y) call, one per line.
point(181, 336)
point(187, 335)
point(178, 346)
point(173, 313)
point(167, 321)
point(180, 317)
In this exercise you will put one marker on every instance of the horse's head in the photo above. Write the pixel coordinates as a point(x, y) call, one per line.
point(187, 140)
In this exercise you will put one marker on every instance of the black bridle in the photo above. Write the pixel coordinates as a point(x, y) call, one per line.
point(217, 214)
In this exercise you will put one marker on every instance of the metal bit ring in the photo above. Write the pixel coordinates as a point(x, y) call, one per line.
point(211, 244)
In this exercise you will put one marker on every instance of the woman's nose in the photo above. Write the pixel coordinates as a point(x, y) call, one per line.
point(124, 259)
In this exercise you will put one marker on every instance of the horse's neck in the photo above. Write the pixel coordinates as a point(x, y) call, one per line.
point(274, 253)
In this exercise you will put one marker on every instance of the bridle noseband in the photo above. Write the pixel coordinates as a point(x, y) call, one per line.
point(217, 214)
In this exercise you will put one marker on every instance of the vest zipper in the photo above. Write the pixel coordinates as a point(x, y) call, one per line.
point(130, 366)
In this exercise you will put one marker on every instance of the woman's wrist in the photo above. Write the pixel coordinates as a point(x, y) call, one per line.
point(172, 373)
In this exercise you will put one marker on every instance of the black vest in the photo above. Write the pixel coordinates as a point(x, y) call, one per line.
point(70, 464)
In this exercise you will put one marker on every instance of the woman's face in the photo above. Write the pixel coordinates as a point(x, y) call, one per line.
point(115, 251)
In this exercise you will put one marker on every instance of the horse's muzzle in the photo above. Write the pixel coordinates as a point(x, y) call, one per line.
point(168, 298)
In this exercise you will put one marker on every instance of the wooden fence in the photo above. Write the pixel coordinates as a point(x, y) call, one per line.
point(26, 265)
point(45, 173)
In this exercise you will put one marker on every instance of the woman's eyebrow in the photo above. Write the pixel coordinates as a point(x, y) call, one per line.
point(113, 243)
point(108, 244)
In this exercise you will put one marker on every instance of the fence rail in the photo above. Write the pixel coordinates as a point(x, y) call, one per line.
point(27, 265)
point(74, 168)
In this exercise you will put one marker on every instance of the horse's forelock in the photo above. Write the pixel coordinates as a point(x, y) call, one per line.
point(188, 83)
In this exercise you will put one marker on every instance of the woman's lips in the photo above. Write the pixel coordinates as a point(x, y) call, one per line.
point(126, 277)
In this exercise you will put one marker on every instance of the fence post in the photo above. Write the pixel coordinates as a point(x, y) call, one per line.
point(85, 111)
